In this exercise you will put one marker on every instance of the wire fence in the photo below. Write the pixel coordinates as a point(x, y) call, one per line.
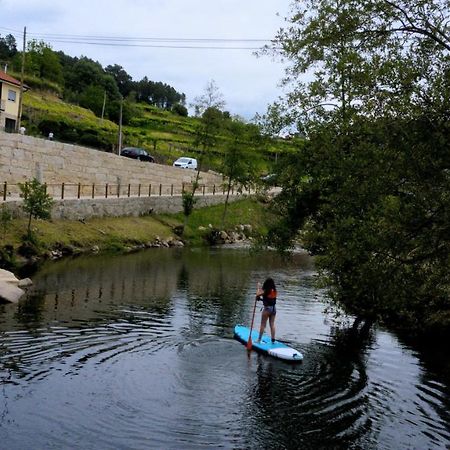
point(11, 191)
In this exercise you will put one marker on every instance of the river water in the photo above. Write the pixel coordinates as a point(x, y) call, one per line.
point(137, 352)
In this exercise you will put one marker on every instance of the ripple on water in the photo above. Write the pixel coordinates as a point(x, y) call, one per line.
point(143, 362)
point(32, 354)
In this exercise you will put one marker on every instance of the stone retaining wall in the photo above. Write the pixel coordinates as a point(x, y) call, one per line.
point(79, 209)
point(25, 157)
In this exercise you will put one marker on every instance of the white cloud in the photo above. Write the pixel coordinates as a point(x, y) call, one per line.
point(248, 83)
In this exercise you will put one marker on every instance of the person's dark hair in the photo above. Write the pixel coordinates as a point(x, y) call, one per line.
point(268, 285)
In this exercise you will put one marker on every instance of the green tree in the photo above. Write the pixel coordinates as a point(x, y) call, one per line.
point(8, 47)
point(368, 191)
point(156, 93)
point(210, 98)
point(83, 73)
point(36, 202)
point(92, 98)
point(180, 109)
point(239, 160)
point(40, 61)
point(121, 77)
point(87, 84)
point(188, 202)
point(209, 105)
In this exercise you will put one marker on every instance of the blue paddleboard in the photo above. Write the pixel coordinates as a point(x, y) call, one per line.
point(276, 349)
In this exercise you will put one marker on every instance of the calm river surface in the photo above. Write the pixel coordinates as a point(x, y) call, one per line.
point(137, 352)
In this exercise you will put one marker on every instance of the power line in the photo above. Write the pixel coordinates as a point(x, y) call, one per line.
point(112, 44)
point(150, 42)
point(128, 38)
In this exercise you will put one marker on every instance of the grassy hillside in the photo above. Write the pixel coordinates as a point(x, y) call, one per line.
point(164, 134)
point(44, 112)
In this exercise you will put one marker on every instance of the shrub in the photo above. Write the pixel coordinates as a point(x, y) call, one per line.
point(36, 202)
point(5, 219)
point(180, 109)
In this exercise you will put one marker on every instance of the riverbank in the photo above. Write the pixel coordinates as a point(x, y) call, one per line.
point(55, 239)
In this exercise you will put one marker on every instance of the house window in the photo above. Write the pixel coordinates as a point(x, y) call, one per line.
point(11, 95)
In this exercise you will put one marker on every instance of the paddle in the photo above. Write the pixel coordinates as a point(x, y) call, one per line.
point(249, 342)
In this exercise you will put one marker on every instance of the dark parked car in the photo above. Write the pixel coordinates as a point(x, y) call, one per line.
point(137, 153)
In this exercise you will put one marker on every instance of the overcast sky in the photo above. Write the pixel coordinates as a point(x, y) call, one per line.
point(247, 83)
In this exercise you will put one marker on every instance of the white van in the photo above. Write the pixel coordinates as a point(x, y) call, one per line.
point(186, 163)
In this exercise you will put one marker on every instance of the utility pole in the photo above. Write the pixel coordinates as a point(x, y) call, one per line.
point(119, 149)
point(22, 73)
point(103, 108)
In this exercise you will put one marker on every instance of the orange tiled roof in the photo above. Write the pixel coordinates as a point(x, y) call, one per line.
point(8, 78)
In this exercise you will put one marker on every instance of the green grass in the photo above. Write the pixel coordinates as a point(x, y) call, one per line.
point(105, 232)
point(54, 107)
point(242, 212)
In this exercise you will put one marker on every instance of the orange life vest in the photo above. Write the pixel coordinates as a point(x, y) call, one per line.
point(270, 298)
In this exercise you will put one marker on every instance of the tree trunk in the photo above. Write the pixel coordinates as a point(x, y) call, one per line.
point(226, 203)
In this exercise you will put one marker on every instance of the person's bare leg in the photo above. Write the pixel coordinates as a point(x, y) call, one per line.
point(264, 317)
point(272, 326)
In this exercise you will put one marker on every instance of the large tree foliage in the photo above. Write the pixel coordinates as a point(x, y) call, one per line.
point(369, 189)
point(40, 61)
point(8, 48)
point(209, 105)
point(156, 93)
point(239, 161)
point(122, 78)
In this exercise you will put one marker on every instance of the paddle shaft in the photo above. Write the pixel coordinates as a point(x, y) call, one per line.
point(249, 342)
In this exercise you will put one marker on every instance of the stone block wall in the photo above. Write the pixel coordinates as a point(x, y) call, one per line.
point(79, 209)
point(25, 157)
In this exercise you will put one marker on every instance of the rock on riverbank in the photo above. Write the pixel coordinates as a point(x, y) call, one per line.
point(10, 286)
point(242, 234)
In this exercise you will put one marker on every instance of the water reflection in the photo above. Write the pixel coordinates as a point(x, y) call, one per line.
point(136, 351)
point(294, 402)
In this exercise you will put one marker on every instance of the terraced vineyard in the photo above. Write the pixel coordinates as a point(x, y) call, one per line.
point(165, 135)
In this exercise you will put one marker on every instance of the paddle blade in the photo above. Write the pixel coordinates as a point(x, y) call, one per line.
point(249, 343)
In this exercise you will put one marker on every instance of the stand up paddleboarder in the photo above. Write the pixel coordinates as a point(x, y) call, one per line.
point(268, 295)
